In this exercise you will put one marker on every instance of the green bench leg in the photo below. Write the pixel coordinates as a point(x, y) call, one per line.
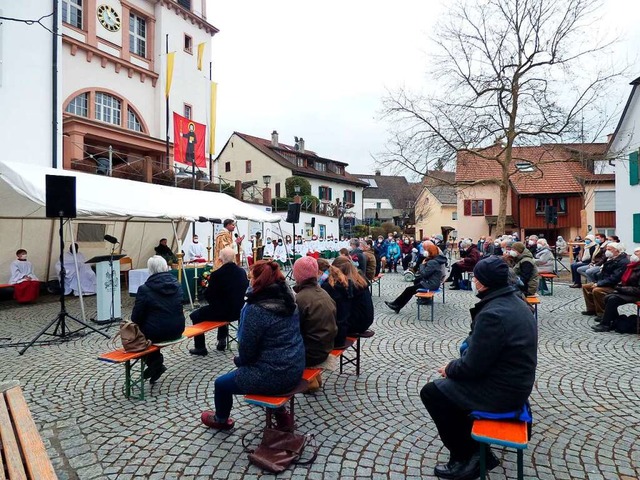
point(483, 462)
point(520, 465)
point(134, 384)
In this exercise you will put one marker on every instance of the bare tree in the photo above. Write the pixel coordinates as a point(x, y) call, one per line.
point(507, 73)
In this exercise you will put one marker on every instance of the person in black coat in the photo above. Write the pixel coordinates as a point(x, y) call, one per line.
point(158, 312)
point(225, 295)
point(606, 280)
point(361, 316)
point(334, 282)
point(430, 275)
point(495, 371)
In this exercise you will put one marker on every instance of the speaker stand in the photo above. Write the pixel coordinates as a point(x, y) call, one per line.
point(61, 330)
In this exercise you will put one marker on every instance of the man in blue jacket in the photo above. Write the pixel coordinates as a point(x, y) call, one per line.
point(495, 371)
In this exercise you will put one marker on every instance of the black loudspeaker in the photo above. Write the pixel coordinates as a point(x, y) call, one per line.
point(313, 222)
point(60, 196)
point(551, 214)
point(293, 213)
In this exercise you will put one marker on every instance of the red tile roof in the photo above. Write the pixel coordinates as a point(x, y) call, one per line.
point(286, 156)
point(557, 167)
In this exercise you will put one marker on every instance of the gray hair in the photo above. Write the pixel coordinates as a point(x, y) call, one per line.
point(227, 255)
point(157, 264)
point(465, 243)
point(543, 242)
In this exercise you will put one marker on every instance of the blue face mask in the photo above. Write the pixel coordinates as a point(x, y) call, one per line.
point(598, 241)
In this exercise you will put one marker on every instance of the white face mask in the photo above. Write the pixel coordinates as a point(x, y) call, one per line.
point(513, 253)
point(608, 254)
point(531, 242)
point(474, 287)
point(634, 258)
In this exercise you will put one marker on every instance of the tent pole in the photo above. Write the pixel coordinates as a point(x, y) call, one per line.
point(124, 232)
point(78, 279)
point(184, 272)
point(49, 251)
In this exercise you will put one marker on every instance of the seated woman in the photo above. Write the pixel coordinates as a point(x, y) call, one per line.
point(627, 291)
point(525, 268)
point(334, 282)
point(271, 352)
point(158, 312)
point(317, 313)
point(361, 316)
point(430, 275)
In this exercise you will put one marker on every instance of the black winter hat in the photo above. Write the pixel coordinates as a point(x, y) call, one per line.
point(492, 272)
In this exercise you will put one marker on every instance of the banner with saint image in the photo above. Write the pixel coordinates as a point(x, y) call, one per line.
point(189, 139)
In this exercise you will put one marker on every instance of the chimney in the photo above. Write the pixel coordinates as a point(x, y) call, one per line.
point(301, 145)
point(274, 139)
point(378, 173)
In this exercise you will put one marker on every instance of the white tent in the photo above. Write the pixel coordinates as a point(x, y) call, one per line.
point(137, 213)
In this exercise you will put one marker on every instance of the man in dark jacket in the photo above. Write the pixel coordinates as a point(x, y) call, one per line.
point(357, 256)
point(158, 312)
point(225, 295)
point(470, 256)
point(495, 371)
point(606, 280)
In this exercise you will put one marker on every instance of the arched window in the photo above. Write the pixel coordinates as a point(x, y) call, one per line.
point(79, 105)
point(133, 123)
point(108, 108)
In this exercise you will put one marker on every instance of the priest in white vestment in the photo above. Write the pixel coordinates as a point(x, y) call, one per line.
point(87, 276)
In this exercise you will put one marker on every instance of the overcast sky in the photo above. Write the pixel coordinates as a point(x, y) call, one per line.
point(319, 70)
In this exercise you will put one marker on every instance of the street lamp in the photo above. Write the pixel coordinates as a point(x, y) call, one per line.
point(296, 189)
point(266, 179)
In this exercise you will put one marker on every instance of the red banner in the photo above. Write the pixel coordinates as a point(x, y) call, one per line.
point(188, 141)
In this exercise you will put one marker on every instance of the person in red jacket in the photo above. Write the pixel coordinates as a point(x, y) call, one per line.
point(470, 256)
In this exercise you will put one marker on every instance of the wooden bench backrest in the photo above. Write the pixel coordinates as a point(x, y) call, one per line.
point(25, 444)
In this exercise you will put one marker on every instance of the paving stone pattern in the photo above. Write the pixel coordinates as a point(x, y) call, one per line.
point(585, 401)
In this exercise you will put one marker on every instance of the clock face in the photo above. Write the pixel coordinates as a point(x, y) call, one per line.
point(108, 18)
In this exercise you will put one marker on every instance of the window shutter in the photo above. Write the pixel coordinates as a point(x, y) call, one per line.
point(488, 207)
point(321, 193)
point(353, 197)
point(329, 195)
point(467, 207)
point(636, 228)
point(633, 168)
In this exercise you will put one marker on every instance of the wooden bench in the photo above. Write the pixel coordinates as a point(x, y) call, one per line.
point(134, 384)
point(273, 402)
point(22, 452)
point(535, 301)
point(507, 433)
point(376, 281)
point(425, 295)
point(352, 346)
point(548, 276)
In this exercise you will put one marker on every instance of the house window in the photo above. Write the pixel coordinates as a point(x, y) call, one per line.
point(79, 105)
point(188, 111)
point(227, 166)
point(72, 12)
point(378, 205)
point(185, 4)
point(339, 169)
point(349, 196)
point(606, 230)
point(137, 35)
point(605, 201)
point(133, 122)
point(188, 44)
point(559, 203)
point(108, 108)
point(320, 166)
point(247, 166)
point(278, 190)
point(300, 162)
point(525, 167)
point(478, 208)
point(324, 193)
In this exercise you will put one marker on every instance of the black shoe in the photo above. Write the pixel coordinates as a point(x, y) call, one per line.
point(597, 319)
point(601, 328)
point(392, 306)
point(465, 470)
point(221, 346)
point(202, 352)
point(575, 285)
point(157, 374)
point(587, 312)
point(454, 287)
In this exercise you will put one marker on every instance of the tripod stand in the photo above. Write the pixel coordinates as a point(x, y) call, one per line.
point(60, 321)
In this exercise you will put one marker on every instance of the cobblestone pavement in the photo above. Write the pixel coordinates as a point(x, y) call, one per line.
point(585, 402)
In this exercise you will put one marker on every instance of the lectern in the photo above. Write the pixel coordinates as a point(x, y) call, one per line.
point(108, 288)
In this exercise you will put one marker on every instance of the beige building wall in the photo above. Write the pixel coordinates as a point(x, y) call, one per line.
point(476, 226)
point(589, 199)
point(431, 215)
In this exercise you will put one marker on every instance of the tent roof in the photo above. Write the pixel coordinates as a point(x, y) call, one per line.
point(23, 195)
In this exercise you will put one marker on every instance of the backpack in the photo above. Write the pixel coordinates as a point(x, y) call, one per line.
point(626, 324)
point(132, 338)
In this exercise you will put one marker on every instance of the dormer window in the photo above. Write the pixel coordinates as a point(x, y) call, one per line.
point(320, 166)
point(525, 167)
point(300, 162)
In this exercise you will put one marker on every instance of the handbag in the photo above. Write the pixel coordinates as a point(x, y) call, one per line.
point(279, 449)
point(132, 338)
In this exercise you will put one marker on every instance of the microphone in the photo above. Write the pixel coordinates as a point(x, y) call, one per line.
point(111, 239)
point(235, 235)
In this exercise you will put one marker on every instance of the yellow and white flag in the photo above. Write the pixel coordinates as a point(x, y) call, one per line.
point(200, 54)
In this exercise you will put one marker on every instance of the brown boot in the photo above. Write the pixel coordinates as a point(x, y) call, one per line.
point(314, 384)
